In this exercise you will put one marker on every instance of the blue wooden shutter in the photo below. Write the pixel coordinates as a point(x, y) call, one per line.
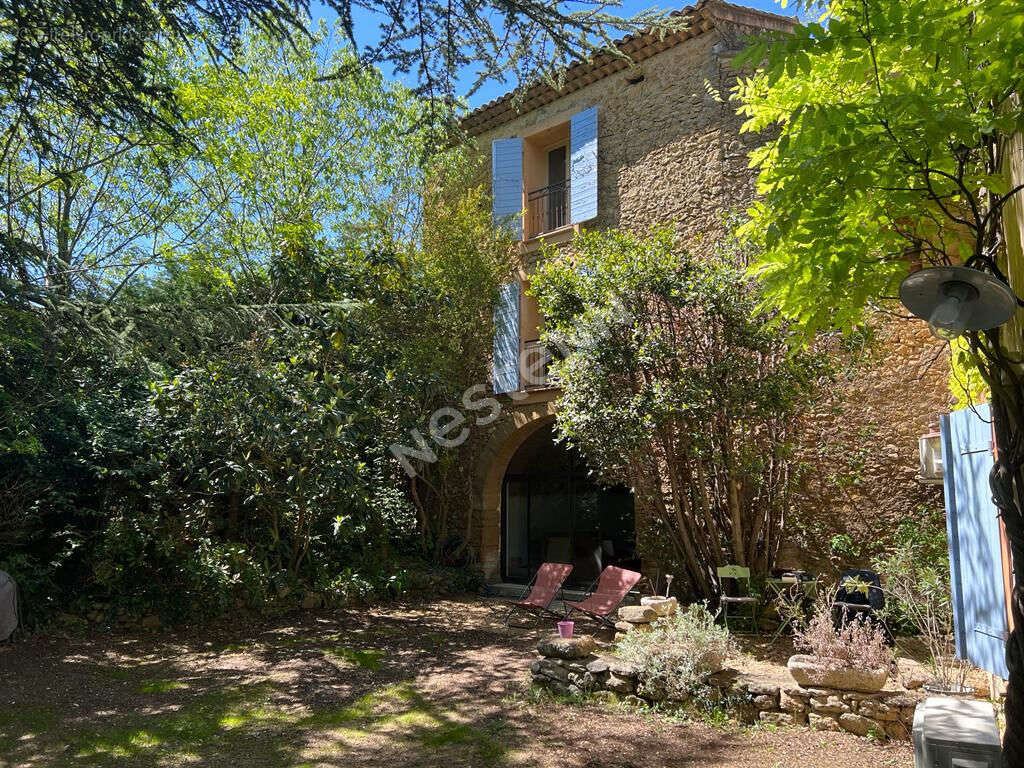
point(975, 549)
point(583, 166)
point(507, 184)
point(506, 339)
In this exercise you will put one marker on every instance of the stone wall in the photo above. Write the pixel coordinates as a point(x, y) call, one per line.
point(858, 451)
point(670, 153)
point(576, 667)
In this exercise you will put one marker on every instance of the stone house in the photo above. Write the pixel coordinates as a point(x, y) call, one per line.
point(635, 144)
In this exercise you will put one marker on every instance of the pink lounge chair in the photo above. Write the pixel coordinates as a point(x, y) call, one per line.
point(547, 583)
point(612, 587)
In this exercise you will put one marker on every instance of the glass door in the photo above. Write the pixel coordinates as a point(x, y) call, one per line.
point(553, 511)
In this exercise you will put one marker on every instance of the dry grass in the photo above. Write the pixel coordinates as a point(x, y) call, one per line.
point(432, 685)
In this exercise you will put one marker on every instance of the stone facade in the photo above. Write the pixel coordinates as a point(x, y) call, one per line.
point(859, 447)
point(670, 153)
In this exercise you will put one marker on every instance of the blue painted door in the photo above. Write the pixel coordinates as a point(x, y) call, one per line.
point(975, 551)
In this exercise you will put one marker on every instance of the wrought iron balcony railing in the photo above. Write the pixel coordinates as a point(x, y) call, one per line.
point(547, 209)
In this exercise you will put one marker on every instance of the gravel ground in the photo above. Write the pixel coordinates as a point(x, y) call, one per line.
point(438, 684)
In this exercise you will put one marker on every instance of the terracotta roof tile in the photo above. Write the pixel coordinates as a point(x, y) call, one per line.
point(640, 46)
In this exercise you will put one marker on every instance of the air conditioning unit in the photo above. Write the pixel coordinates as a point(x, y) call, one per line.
point(956, 733)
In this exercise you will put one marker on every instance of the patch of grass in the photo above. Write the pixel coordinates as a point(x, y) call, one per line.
point(233, 720)
point(333, 645)
point(385, 630)
point(402, 705)
point(119, 743)
point(117, 673)
point(237, 648)
point(483, 740)
point(369, 658)
point(161, 686)
point(456, 733)
point(19, 725)
point(249, 715)
point(199, 721)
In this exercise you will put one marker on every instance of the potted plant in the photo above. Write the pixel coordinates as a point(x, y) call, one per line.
point(852, 658)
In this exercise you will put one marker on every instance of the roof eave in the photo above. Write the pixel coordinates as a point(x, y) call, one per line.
point(636, 48)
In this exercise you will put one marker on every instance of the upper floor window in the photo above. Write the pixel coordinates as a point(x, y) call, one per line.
point(547, 180)
point(547, 197)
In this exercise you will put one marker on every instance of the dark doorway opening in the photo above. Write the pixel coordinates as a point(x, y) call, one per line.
point(554, 511)
point(558, 191)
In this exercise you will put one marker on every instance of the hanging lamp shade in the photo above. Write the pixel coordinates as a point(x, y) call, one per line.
point(957, 299)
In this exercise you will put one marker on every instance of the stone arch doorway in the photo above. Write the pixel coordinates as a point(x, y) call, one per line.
point(518, 425)
point(539, 503)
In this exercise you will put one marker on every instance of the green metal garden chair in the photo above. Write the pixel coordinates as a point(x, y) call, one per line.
point(745, 605)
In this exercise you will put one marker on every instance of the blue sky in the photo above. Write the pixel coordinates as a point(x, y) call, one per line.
point(366, 31)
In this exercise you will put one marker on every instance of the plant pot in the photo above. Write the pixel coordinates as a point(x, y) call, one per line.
point(663, 606)
point(565, 629)
point(816, 672)
point(949, 689)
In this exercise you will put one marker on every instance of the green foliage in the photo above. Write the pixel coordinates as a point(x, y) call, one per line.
point(101, 62)
point(965, 380)
point(673, 384)
point(882, 128)
point(842, 548)
point(916, 570)
point(280, 151)
point(678, 653)
point(204, 425)
point(919, 595)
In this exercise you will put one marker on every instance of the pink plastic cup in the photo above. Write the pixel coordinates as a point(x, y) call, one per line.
point(565, 629)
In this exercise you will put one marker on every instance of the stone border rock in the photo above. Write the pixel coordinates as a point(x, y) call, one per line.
point(640, 618)
point(571, 667)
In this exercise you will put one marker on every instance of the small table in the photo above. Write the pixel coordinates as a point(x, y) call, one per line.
point(794, 591)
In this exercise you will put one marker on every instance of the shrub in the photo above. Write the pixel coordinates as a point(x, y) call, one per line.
point(857, 643)
point(655, 340)
point(919, 594)
point(679, 652)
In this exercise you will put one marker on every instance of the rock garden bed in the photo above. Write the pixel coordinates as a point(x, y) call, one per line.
point(576, 666)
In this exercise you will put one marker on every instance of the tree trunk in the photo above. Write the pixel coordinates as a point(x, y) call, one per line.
point(1008, 413)
point(1006, 481)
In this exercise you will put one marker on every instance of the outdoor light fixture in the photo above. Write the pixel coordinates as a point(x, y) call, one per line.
point(957, 299)
point(930, 451)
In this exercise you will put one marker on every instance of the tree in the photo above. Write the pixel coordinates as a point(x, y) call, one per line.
point(278, 148)
point(889, 133)
point(68, 231)
point(97, 61)
point(208, 347)
point(673, 385)
point(95, 58)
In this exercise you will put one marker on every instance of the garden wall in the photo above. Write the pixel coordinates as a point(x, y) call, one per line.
point(574, 667)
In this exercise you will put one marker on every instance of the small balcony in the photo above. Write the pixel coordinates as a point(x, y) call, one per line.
point(547, 209)
point(534, 362)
